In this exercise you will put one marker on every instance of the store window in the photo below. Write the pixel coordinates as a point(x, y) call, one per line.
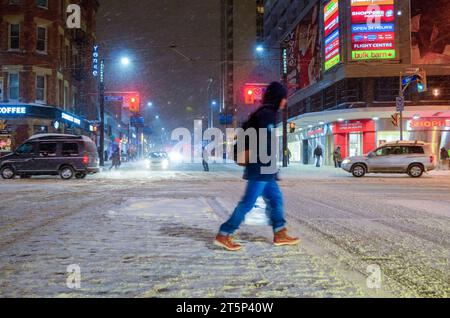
point(14, 36)
point(42, 4)
point(13, 86)
point(5, 143)
point(40, 89)
point(41, 43)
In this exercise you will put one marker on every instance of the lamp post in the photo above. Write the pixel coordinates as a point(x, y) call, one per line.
point(125, 62)
point(102, 112)
point(260, 49)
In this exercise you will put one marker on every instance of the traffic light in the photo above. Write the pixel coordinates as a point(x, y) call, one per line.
point(395, 119)
point(249, 96)
point(134, 104)
point(422, 86)
point(292, 128)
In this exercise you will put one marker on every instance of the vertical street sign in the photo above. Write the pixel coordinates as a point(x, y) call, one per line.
point(400, 102)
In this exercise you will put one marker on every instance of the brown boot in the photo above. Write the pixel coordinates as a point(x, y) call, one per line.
point(282, 238)
point(226, 242)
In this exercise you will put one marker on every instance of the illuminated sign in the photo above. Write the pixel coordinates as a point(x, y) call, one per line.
point(332, 35)
point(71, 118)
point(95, 61)
point(429, 123)
point(12, 110)
point(373, 29)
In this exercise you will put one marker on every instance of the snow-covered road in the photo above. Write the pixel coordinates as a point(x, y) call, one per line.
point(139, 233)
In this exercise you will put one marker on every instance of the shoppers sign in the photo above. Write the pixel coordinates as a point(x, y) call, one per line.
point(424, 124)
point(373, 29)
point(332, 35)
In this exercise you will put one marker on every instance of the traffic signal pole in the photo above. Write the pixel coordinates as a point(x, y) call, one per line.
point(402, 95)
point(102, 114)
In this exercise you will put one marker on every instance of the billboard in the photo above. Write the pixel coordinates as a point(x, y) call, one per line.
point(332, 35)
point(304, 52)
point(430, 36)
point(373, 29)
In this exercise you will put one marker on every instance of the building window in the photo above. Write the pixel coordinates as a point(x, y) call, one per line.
point(41, 44)
point(14, 36)
point(40, 88)
point(42, 4)
point(13, 86)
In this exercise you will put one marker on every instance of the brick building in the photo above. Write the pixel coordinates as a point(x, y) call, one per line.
point(45, 68)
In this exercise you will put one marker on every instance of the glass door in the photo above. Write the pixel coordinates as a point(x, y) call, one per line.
point(355, 144)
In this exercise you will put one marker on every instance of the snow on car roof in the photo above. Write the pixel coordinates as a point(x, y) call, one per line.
point(60, 136)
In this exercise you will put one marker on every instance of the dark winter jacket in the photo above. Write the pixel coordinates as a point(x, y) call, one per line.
point(265, 117)
point(318, 152)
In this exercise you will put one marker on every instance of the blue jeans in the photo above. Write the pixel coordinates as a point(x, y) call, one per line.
point(273, 197)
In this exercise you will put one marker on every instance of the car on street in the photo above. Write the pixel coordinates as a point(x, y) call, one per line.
point(411, 157)
point(158, 159)
point(52, 154)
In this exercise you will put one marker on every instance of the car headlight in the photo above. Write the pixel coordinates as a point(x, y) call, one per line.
point(165, 163)
point(346, 161)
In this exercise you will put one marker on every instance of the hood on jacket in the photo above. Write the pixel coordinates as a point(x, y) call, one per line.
point(275, 93)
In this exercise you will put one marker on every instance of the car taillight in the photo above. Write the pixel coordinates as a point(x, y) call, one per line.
point(431, 159)
point(85, 159)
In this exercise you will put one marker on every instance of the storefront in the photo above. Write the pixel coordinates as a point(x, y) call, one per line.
point(435, 131)
point(355, 137)
point(20, 122)
point(313, 137)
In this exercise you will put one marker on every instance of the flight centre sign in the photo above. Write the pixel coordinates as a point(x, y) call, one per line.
point(373, 29)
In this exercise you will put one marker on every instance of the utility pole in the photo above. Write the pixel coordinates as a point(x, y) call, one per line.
point(285, 110)
point(401, 104)
point(102, 113)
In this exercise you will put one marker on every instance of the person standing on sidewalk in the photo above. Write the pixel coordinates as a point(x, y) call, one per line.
point(444, 158)
point(205, 159)
point(337, 157)
point(258, 183)
point(318, 154)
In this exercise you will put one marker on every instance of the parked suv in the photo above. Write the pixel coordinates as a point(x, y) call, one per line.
point(411, 157)
point(52, 154)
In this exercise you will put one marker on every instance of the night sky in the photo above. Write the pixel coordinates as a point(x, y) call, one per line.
point(144, 31)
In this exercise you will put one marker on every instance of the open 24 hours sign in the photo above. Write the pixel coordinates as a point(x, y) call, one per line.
point(373, 30)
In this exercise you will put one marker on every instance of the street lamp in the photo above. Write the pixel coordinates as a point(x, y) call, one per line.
point(149, 104)
point(125, 61)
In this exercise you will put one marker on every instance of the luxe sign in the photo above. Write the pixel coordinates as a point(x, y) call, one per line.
point(373, 29)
